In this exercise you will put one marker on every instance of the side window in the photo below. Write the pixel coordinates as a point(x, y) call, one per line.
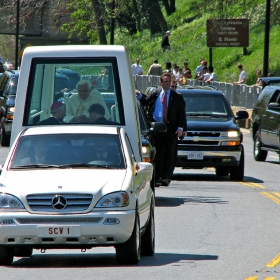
point(131, 153)
point(274, 97)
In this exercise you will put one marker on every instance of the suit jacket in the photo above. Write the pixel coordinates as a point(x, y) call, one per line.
point(50, 120)
point(176, 108)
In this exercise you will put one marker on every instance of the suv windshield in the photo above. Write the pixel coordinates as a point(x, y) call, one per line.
point(68, 150)
point(199, 105)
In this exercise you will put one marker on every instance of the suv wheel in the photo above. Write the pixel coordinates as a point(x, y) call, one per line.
point(148, 239)
point(6, 255)
point(222, 171)
point(130, 251)
point(237, 172)
point(259, 154)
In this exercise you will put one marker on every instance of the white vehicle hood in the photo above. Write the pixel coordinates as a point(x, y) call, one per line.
point(92, 181)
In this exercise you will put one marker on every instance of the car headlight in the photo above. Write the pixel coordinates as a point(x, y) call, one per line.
point(146, 153)
point(10, 113)
point(8, 201)
point(116, 199)
point(232, 133)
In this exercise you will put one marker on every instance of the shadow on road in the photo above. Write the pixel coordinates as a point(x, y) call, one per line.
point(104, 260)
point(177, 201)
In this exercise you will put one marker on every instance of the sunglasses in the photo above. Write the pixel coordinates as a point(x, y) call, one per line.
point(174, 86)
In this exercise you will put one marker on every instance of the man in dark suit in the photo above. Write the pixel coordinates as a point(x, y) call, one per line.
point(175, 119)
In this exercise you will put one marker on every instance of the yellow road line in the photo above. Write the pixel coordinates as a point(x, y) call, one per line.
point(252, 185)
point(277, 193)
point(269, 278)
point(252, 278)
point(274, 262)
point(271, 197)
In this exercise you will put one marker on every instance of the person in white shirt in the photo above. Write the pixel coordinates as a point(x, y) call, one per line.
point(78, 104)
point(136, 68)
point(213, 77)
point(242, 77)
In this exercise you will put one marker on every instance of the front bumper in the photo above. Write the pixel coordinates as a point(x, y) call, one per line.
point(211, 157)
point(66, 231)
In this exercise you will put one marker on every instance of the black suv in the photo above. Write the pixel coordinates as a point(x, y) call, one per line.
point(265, 128)
point(213, 136)
point(8, 88)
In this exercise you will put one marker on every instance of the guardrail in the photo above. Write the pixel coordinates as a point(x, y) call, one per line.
point(238, 95)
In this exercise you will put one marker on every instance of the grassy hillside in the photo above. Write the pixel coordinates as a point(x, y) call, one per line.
point(188, 42)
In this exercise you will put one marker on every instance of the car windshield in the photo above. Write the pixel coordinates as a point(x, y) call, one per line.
point(13, 86)
point(68, 151)
point(200, 105)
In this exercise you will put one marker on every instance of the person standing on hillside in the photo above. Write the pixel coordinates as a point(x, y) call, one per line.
point(213, 77)
point(242, 77)
point(165, 105)
point(155, 69)
point(165, 41)
point(136, 68)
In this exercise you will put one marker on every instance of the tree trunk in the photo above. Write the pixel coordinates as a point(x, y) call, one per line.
point(99, 21)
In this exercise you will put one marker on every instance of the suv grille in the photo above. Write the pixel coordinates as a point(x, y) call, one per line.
point(201, 138)
point(69, 202)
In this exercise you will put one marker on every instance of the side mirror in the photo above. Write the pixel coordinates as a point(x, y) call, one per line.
point(241, 115)
point(274, 106)
point(158, 127)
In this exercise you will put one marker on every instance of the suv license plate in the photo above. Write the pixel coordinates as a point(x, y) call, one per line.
point(53, 231)
point(195, 155)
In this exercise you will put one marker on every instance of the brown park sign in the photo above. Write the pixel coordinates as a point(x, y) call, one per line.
point(227, 33)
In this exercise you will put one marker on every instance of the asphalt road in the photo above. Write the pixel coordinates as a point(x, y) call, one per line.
point(207, 227)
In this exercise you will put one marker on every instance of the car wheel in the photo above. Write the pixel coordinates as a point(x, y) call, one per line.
point(259, 154)
point(130, 251)
point(6, 255)
point(5, 140)
point(148, 239)
point(222, 171)
point(237, 172)
point(23, 252)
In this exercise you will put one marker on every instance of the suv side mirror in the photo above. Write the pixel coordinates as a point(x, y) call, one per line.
point(241, 115)
point(274, 106)
point(158, 127)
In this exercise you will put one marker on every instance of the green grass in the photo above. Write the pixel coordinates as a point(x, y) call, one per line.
point(188, 42)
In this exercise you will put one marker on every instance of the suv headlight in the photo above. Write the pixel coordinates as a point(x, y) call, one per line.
point(116, 199)
point(232, 133)
point(146, 153)
point(8, 201)
point(10, 113)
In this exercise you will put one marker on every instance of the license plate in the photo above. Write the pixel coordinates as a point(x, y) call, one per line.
point(195, 155)
point(54, 231)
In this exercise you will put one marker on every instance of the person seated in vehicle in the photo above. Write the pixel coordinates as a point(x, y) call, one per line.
point(97, 114)
point(58, 112)
point(39, 154)
point(78, 104)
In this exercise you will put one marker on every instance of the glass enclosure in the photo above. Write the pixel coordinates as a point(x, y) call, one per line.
point(77, 83)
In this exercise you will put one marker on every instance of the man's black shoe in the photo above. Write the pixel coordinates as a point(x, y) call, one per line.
point(165, 182)
point(158, 181)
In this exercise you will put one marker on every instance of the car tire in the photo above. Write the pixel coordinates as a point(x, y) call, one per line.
point(222, 171)
point(259, 154)
point(148, 239)
point(6, 255)
point(5, 140)
point(23, 252)
point(130, 251)
point(237, 172)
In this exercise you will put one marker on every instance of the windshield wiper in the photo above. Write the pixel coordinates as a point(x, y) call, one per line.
point(85, 165)
point(35, 166)
point(203, 115)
